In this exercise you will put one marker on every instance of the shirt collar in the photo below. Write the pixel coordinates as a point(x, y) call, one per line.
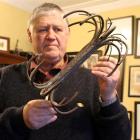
point(51, 73)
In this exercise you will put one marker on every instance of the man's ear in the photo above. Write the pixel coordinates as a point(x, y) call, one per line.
point(29, 35)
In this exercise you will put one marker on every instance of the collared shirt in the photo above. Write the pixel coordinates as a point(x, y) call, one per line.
point(42, 76)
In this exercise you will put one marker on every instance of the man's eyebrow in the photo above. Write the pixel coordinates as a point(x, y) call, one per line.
point(55, 25)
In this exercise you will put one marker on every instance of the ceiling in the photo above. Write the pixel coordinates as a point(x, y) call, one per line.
point(98, 5)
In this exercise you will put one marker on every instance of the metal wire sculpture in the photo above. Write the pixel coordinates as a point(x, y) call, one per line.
point(101, 37)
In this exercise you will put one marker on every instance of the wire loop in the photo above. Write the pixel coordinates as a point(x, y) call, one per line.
point(101, 37)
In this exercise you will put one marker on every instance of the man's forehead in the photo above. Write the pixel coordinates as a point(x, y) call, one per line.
point(54, 16)
point(51, 13)
point(55, 19)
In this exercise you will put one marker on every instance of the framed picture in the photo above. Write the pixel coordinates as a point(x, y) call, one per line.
point(137, 121)
point(134, 81)
point(71, 55)
point(137, 50)
point(120, 86)
point(92, 60)
point(4, 43)
point(125, 31)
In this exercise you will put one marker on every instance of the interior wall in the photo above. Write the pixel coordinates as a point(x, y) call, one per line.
point(78, 41)
point(13, 24)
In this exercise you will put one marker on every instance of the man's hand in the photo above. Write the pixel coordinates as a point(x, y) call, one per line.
point(38, 113)
point(107, 84)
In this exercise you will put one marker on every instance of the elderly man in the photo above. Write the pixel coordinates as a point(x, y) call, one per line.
point(26, 115)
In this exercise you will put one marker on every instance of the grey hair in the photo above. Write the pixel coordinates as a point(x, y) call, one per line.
point(43, 9)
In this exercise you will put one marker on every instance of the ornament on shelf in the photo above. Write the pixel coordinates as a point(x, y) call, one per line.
point(16, 47)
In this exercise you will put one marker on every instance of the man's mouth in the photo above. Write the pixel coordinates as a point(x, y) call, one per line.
point(51, 45)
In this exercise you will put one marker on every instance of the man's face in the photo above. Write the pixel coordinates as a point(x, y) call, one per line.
point(49, 36)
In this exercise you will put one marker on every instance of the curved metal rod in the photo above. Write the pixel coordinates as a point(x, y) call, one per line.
point(29, 73)
point(100, 38)
point(100, 30)
point(121, 42)
point(86, 20)
point(76, 11)
point(90, 16)
point(63, 102)
point(120, 57)
point(65, 112)
point(118, 61)
point(40, 86)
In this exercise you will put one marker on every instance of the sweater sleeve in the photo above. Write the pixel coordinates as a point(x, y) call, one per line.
point(112, 123)
point(12, 124)
point(11, 121)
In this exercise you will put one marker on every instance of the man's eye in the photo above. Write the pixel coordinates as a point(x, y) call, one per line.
point(57, 30)
point(42, 30)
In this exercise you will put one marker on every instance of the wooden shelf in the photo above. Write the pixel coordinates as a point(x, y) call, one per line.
point(8, 58)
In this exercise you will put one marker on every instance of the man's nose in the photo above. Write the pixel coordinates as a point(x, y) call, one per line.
point(50, 34)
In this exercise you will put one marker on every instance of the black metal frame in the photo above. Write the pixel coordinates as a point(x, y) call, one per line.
point(136, 131)
point(131, 28)
point(137, 37)
point(131, 81)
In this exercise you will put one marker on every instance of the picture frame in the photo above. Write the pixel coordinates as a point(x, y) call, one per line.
point(71, 55)
point(137, 50)
point(92, 60)
point(137, 121)
point(125, 27)
point(120, 84)
point(95, 55)
point(4, 43)
point(134, 81)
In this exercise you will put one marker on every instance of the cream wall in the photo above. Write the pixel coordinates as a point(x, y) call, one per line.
point(77, 44)
point(13, 23)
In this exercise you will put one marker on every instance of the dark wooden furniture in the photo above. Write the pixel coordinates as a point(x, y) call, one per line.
point(8, 58)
